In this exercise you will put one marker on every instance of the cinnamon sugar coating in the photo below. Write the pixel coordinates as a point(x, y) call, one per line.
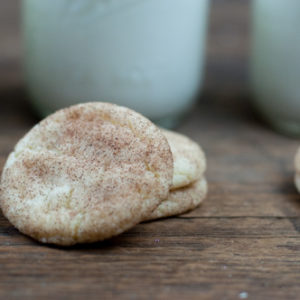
point(86, 173)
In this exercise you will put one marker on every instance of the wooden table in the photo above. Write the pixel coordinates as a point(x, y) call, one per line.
point(243, 242)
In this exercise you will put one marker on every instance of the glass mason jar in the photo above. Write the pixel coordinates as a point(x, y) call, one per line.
point(144, 54)
point(275, 65)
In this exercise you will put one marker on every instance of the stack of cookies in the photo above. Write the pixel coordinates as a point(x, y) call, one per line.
point(189, 185)
point(92, 171)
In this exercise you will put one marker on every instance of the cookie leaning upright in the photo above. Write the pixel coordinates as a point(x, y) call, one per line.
point(86, 173)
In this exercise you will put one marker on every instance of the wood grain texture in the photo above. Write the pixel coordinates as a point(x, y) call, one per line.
point(244, 238)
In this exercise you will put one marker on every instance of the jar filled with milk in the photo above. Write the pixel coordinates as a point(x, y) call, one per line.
point(275, 66)
point(144, 54)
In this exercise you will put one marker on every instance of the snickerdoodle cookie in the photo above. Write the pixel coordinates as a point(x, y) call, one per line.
point(189, 159)
point(189, 186)
point(86, 173)
point(181, 200)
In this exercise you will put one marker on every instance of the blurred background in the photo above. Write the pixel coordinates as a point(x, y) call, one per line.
point(226, 67)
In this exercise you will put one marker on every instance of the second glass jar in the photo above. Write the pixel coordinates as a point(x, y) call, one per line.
point(275, 66)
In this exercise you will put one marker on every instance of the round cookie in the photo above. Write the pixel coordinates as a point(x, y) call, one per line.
point(181, 200)
point(189, 159)
point(86, 173)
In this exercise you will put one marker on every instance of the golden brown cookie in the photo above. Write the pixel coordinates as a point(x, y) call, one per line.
point(86, 173)
point(189, 159)
point(181, 200)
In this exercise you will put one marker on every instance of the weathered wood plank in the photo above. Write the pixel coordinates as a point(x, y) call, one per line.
point(190, 256)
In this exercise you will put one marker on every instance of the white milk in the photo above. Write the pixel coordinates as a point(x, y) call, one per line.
point(144, 54)
point(276, 62)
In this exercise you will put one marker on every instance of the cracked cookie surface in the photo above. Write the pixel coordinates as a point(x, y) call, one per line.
point(86, 173)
